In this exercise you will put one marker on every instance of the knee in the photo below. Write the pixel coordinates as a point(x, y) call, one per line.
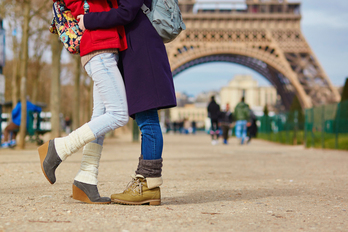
point(7, 129)
point(120, 119)
point(124, 119)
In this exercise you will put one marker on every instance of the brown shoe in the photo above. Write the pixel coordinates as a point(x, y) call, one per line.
point(138, 193)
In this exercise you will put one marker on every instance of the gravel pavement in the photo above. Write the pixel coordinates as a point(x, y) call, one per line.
point(260, 187)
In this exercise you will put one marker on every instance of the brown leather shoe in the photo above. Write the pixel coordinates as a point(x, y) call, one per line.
point(138, 193)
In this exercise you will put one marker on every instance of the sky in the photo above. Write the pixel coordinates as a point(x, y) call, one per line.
point(325, 27)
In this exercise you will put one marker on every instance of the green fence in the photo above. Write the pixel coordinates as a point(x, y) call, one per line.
point(321, 127)
point(284, 128)
point(327, 126)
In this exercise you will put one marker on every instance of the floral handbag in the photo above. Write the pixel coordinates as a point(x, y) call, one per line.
point(66, 26)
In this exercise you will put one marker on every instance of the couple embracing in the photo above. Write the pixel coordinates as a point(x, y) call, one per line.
point(126, 58)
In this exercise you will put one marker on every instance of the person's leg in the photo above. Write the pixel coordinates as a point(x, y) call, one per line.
point(213, 128)
point(249, 139)
point(225, 133)
point(148, 176)
point(110, 87)
point(8, 129)
point(109, 84)
point(85, 182)
point(238, 129)
point(243, 130)
point(217, 131)
point(151, 144)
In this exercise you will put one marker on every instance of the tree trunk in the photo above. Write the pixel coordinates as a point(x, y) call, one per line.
point(14, 82)
point(15, 74)
point(24, 72)
point(56, 47)
point(35, 80)
point(76, 105)
point(35, 84)
point(23, 125)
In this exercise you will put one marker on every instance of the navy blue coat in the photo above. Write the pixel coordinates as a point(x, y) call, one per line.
point(144, 65)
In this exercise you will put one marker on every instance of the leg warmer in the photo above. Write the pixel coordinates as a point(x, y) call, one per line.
point(68, 145)
point(88, 172)
point(149, 168)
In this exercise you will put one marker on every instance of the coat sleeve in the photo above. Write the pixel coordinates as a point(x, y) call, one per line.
point(124, 14)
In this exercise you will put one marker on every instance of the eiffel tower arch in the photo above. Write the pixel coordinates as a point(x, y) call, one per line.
point(262, 35)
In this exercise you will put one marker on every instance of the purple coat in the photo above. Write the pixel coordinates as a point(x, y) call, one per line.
point(144, 65)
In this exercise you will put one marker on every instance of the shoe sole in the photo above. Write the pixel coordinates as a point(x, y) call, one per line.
point(80, 195)
point(43, 149)
point(150, 202)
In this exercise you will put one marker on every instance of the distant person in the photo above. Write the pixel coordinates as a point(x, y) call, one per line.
point(13, 126)
point(187, 126)
point(181, 126)
point(252, 127)
point(242, 115)
point(213, 114)
point(175, 126)
point(194, 126)
point(167, 125)
point(226, 120)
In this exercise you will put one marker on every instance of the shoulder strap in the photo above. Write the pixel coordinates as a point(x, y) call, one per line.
point(86, 7)
point(145, 9)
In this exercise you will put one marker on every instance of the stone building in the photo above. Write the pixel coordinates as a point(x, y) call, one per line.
point(192, 112)
point(256, 96)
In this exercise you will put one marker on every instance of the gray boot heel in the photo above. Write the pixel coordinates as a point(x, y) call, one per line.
point(88, 193)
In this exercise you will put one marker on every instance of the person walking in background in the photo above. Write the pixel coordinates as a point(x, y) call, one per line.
point(13, 126)
point(187, 126)
point(225, 122)
point(214, 114)
point(241, 115)
point(99, 56)
point(149, 87)
point(194, 126)
point(252, 127)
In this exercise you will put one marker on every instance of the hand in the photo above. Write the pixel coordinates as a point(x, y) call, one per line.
point(81, 24)
point(248, 124)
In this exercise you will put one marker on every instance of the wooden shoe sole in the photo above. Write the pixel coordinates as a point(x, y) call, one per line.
point(150, 202)
point(80, 195)
point(43, 149)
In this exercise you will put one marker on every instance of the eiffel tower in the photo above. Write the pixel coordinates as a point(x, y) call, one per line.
point(264, 35)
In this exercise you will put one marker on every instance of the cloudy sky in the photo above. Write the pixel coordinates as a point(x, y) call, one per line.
point(325, 26)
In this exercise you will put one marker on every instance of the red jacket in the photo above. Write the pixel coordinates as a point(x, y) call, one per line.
point(94, 40)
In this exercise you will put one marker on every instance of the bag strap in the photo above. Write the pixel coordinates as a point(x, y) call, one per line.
point(145, 9)
point(86, 7)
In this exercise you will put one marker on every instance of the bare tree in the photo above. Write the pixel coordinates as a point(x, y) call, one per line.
point(56, 47)
point(24, 72)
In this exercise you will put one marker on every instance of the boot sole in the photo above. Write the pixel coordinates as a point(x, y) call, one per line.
point(43, 149)
point(150, 202)
point(80, 195)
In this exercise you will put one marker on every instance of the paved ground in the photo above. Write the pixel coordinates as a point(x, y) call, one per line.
point(260, 187)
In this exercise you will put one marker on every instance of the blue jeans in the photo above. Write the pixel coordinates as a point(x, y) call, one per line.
point(151, 134)
point(241, 130)
point(110, 110)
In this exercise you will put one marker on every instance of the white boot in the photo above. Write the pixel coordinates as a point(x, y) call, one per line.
point(88, 172)
point(68, 145)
